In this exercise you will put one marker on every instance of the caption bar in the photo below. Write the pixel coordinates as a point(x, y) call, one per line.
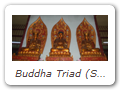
point(61, 73)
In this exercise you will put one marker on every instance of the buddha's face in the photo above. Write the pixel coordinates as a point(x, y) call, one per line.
point(86, 37)
point(60, 35)
point(35, 36)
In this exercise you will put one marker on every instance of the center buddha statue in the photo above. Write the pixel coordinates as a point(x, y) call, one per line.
point(88, 46)
point(60, 46)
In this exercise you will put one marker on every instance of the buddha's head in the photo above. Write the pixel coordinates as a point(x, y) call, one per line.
point(60, 35)
point(86, 35)
point(35, 35)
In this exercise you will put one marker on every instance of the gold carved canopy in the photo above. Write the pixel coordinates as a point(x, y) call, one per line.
point(85, 27)
point(39, 27)
point(61, 26)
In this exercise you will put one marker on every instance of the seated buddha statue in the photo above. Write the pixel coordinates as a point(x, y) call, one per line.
point(60, 46)
point(88, 46)
point(33, 44)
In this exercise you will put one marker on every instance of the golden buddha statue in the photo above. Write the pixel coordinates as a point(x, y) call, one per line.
point(60, 46)
point(33, 45)
point(88, 46)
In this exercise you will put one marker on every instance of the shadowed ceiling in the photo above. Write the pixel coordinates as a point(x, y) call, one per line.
point(19, 19)
point(102, 20)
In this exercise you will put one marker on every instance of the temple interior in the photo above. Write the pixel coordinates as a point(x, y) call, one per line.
point(59, 37)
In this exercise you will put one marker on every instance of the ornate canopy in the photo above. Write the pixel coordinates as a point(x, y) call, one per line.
point(61, 26)
point(39, 27)
point(85, 27)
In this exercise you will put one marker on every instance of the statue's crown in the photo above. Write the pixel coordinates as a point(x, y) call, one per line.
point(36, 30)
point(37, 27)
point(86, 33)
point(61, 31)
